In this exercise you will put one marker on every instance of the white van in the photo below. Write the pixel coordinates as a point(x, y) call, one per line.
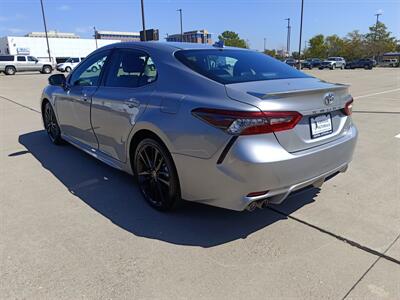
point(69, 64)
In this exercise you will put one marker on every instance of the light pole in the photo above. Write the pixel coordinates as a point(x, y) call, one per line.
point(376, 24)
point(265, 44)
point(180, 16)
point(301, 32)
point(143, 23)
point(45, 30)
point(95, 35)
point(288, 36)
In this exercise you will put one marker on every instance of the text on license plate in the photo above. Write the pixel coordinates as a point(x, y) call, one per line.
point(321, 125)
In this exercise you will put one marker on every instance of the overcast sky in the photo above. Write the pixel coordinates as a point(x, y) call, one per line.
point(252, 19)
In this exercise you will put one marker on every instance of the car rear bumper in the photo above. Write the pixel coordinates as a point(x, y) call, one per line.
point(259, 163)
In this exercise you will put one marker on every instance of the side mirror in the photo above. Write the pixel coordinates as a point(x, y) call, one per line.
point(57, 79)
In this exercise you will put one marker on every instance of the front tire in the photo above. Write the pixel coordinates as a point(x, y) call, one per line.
point(156, 175)
point(51, 124)
point(68, 69)
point(333, 67)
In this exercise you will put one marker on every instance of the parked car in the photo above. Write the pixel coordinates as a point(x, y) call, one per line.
point(10, 64)
point(364, 63)
point(389, 62)
point(291, 62)
point(333, 63)
point(227, 127)
point(311, 63)
point(69, 64)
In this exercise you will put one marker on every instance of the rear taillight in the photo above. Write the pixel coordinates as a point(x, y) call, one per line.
point(247, 123)
point(348, 108)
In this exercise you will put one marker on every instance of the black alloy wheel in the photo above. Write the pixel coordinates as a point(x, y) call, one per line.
point(51, 125)
point(156, 175)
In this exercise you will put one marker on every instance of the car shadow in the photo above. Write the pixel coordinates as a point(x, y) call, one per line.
point(116, 196)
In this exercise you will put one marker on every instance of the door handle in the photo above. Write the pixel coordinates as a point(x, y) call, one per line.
point(132, 103)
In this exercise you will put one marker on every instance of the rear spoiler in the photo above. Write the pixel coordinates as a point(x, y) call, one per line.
point(284, 94)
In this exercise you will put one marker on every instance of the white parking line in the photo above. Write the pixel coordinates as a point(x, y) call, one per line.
point(379, 93)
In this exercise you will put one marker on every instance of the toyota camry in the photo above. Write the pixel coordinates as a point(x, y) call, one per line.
point(217, 125)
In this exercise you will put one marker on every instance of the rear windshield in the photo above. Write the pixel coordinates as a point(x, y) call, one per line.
point(233, 66)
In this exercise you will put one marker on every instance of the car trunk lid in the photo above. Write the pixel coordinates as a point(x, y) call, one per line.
point(306, 96)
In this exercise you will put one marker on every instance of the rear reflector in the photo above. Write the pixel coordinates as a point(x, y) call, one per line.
point(247, 123)
point(348, 108)
point(256, 194)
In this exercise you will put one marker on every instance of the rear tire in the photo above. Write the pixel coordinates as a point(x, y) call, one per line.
point(51, 124)
point(46, 70)
point(68, 69)
point(156, 175)
point(10, 71)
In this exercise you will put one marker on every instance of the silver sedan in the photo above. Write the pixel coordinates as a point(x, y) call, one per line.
point(217, 125)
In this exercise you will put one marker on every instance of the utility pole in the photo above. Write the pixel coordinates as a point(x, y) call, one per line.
point(376, 24)
point(45, 30)
point(301, 32)
point(143, 22)
point(288, 36)
point(95, 35)
point(265, 44)
point(376, 31)
point(180, 16)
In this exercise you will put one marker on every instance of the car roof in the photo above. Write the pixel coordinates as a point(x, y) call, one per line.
point(165, 46)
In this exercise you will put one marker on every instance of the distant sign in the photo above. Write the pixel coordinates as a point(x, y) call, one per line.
point(151, 35)
point(23, 51)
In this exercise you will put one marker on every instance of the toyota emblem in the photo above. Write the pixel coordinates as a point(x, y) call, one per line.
point(329, 98)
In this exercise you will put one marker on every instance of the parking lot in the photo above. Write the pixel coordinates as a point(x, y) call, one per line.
point(74, 228)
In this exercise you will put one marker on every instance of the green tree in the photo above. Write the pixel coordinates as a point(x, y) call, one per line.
point(317, 47)
point(379, 40)
point(334, 45)
point(270, 52)
point(231, 38)
point(354, 45)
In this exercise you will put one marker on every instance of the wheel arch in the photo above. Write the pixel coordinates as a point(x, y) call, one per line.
point(138, 136)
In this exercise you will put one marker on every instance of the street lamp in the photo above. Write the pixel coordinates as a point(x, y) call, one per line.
point(288, 36)
point(143, 23)
point(265, 44)
point(301, 32)
point(45, 30)
point(180, 15)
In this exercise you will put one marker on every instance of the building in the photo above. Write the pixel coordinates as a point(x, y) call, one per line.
point(195, 36)
point(61, 48)
point(117, 35)
point(53, 34)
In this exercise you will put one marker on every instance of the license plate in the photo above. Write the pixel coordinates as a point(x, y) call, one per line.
point(320, 125)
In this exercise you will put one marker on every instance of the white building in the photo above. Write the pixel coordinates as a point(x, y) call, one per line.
point(60, 47)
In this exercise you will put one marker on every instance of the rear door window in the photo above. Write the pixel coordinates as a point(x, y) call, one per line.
point(7, 58)
point(21, 58)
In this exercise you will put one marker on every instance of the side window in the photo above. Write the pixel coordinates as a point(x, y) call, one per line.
point(75, 60)
point(130, 69)
point(88, 73)
point(21, 58)
point(31, 58)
